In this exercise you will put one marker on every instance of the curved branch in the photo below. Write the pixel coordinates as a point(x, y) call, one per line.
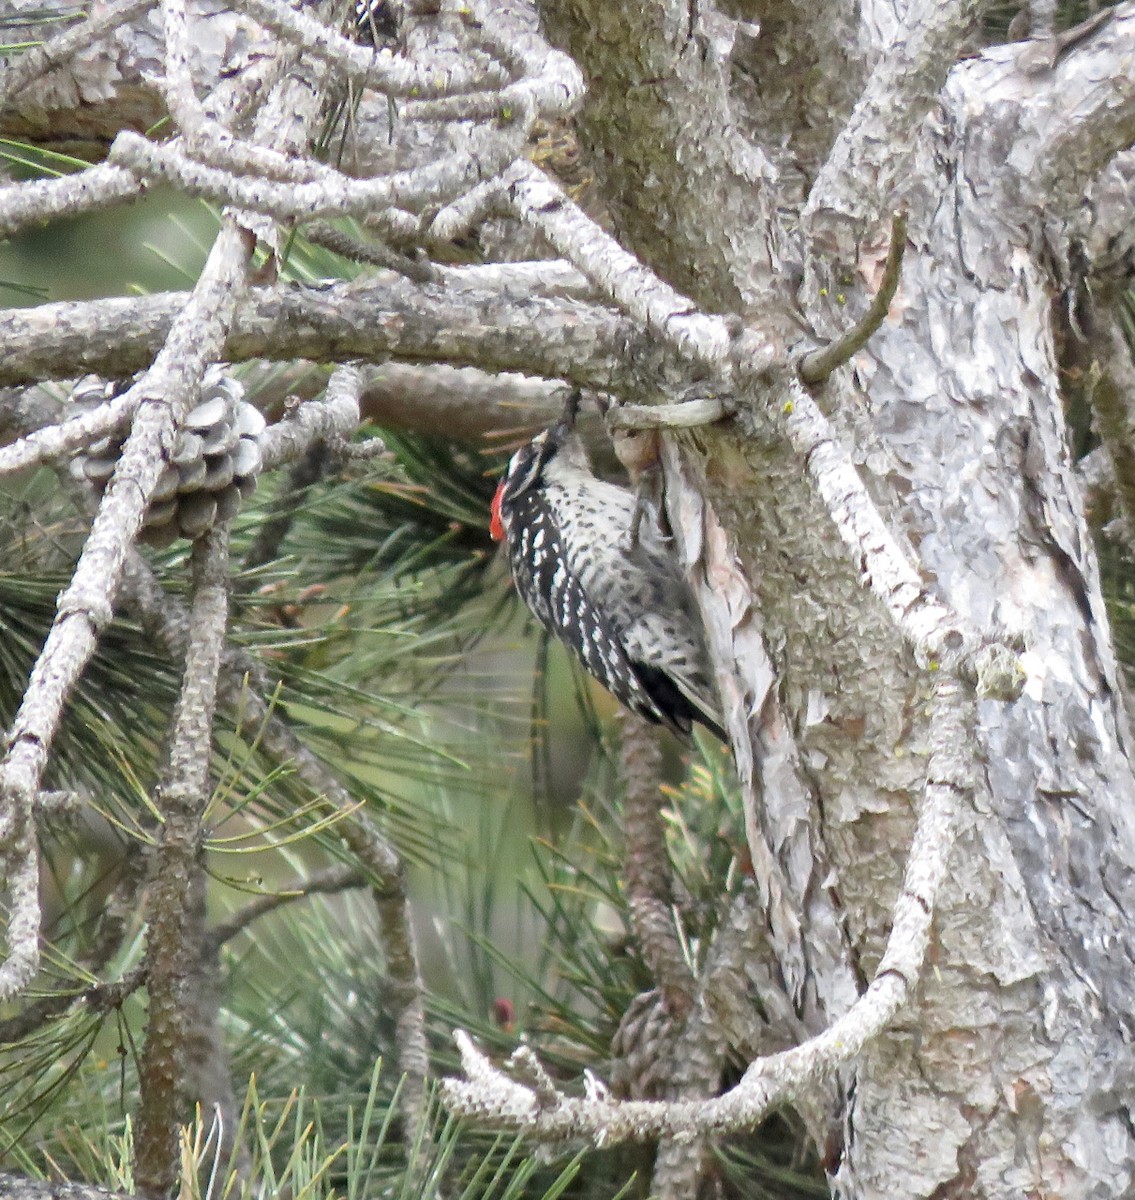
point(338, 878)
point(329, 193)
point(488, 1095)
point(819, 364)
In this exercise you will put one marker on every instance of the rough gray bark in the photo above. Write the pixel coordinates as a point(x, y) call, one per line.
point(1012, 1074)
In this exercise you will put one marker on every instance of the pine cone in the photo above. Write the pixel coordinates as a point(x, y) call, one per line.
point(644, 1046)
point(214, 465)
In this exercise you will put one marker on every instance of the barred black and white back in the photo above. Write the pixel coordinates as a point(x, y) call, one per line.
point(623, 609)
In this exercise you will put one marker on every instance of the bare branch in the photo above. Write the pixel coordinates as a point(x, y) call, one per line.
point(330, 193)
point(819, 364)
point(336, 240)
point(378, 69)
point(458, 218)
point(97, 997)
point(615, 272)
point(102, 186)
point(41, 200)
point(467, 403)
point(550, 79)
point(21, 869)
point(366, 320)
point(57, 441)
point(175, 909)
point(937, 635)
point(16, 1188)
point(305, 438)
point(334, 418)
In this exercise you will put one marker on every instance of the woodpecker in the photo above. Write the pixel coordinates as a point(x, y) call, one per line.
point(618, 602)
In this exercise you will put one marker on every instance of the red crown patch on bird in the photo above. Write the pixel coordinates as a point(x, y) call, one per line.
point(496, 529)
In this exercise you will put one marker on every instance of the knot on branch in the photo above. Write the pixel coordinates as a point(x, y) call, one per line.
point(997, 671)
point(97, 610)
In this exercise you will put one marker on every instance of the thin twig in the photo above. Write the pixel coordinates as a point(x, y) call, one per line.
point(319, 233)
point(97, 997)
point(338, 878)
point(817, 365)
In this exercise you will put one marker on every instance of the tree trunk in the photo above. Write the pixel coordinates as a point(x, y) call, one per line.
point(1011, 1074)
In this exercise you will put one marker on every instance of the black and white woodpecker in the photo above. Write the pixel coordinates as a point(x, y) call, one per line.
point(616, 599)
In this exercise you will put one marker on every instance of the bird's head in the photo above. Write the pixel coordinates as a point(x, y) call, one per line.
point(527, 466)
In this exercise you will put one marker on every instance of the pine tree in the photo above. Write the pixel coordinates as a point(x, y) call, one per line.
point(325, 874)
